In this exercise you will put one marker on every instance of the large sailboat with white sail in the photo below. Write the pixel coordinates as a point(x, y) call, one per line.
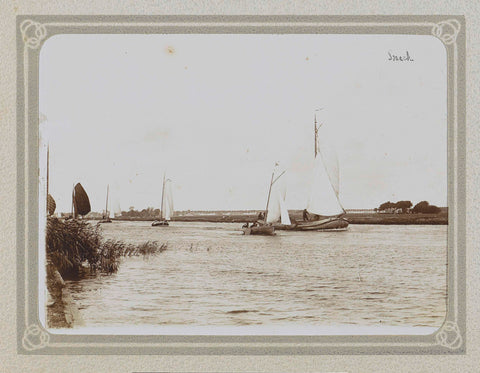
point(166, 204)
point(324, 210)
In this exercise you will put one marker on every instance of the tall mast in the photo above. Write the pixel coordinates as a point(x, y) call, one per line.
point(268, 198)
point(48, 163)
point(163, 191)
point(316, 132)
point(106, 205)
point(74, 207)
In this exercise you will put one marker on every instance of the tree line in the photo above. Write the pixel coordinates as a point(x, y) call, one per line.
point(149, 212)
point(405, 207)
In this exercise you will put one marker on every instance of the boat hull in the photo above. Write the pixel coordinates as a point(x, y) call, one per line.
point(160, 223)
point(330, 224)
point(261, 230)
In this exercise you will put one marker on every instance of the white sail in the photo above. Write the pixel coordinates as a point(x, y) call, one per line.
point(167, 200)
point(274, 210)
point(284, 217)
point(277, 209)
point(323, 198)
point(114, 209)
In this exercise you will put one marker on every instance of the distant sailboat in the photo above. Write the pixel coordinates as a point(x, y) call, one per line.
point(166, 208)
point(80, 201)
point(106, 215)
point(324, 210)
point(277, 210)
point(51, 205)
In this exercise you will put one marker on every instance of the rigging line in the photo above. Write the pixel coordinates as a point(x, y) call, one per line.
point(278, 177)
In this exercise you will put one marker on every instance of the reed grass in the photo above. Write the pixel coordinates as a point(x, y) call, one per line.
point(73, 245)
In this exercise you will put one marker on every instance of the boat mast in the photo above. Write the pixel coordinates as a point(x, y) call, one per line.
point(316, 132)
point(106, 205)
point(163, 191)
point(268, 198)
point(48, 163)
point(74, 207)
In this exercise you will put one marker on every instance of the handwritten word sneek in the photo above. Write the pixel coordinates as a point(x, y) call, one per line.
point(400, 58)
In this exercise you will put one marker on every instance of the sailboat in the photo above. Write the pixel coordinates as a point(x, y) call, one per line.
point(51, 205)
point(271, 214)
point(166, 208)
point(324, 210)
point(106, 215)
point(80, 201)
point(278, 214)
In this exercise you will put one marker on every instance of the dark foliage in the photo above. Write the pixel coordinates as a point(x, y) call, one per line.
point(426, 208)
point(149, 212)
point(403, 205)
point(386, 205)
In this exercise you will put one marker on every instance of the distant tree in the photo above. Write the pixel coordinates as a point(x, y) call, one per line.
point(432, 209)
point(426, 208)
point(404, 205)
point(386, 205)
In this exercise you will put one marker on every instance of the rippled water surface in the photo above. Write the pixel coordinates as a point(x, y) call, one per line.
point(212, 275)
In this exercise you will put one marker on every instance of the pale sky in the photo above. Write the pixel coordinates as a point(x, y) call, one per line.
point(215, 112)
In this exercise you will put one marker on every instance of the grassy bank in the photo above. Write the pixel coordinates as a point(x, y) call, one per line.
point(398, 219)
point(75, 248)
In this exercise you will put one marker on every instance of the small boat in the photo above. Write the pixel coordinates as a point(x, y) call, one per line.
point(264, 227)
point(106, 216)
point(327, 224)
point(80, 201)
point(166, 208)
point(264, 230)
point(157, 223)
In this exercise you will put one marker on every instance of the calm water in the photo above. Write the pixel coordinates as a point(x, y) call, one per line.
point(212, 275)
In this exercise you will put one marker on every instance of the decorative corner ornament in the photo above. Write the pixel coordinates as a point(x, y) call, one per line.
point(35, 338)
point(449, 336)
point(447, 31)
point(33, 33)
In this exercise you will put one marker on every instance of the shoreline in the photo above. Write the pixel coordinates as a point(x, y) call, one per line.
point(353, 218)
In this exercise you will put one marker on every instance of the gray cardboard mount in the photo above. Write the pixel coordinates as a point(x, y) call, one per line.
point(33, 338)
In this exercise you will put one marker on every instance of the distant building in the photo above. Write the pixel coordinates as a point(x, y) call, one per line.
point(360, 211)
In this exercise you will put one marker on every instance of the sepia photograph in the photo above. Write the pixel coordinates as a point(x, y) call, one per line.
point(243, 184)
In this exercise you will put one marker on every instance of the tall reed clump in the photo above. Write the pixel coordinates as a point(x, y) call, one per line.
point(73, 245)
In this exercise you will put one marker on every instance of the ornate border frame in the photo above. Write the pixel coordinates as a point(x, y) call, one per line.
point(33, 31)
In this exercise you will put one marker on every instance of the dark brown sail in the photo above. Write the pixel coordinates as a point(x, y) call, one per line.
point(81, 203)
point(51, 205)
